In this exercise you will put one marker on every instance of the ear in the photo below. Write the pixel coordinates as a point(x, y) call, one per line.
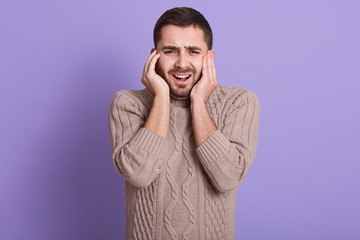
point(212, 53)
point(152, 50)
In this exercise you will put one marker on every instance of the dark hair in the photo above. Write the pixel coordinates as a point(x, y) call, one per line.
point(183, 17)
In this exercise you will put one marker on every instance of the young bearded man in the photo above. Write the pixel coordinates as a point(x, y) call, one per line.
point(184, 143)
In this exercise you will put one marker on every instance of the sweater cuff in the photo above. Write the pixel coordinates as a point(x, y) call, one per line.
point(146, 140)
point(213, 147)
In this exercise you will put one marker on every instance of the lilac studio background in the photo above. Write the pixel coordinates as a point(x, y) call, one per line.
point(61, 62)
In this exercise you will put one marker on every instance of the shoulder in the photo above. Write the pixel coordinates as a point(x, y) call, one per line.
point(136, 95)
point(227, 105)
point(129, 99)
point(232, 95)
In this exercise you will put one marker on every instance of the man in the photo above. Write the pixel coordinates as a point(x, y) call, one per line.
point(184, 143)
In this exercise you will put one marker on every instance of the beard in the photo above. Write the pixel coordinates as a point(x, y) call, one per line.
point(178, 91)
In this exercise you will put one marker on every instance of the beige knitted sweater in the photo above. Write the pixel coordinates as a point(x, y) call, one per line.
point(173, 189)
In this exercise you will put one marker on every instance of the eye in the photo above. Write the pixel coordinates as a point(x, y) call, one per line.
point(195, 52)
point(169, 51)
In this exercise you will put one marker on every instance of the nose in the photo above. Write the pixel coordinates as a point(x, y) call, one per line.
point(182, 61)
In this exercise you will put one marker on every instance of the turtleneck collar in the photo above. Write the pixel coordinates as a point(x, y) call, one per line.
point(180, 102)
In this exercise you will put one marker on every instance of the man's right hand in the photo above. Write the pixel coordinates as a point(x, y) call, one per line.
point(152, 81)
point(159, 116)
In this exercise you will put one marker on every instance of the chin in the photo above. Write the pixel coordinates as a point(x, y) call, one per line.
point(180, 93)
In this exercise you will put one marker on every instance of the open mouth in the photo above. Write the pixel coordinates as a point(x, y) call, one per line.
point(181, 77)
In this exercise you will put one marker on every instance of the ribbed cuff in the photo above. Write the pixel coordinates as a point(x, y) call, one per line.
point(146, 140)
point(213, 147)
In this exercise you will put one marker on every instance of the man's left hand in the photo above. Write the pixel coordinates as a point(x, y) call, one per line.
point(206, 85)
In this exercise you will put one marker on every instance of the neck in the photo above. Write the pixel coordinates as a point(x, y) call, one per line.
point(180, 101)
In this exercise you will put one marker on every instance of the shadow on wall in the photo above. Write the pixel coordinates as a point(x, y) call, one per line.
point(82, 192)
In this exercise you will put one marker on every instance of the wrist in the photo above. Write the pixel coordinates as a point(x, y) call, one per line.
point(197, 101)
point(162, 98)
point(162, 93)
point(197, 104)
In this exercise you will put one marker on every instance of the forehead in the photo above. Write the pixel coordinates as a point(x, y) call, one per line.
point(182, 36)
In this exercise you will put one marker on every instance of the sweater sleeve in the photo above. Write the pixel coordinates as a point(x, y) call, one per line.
point(227, 154)
point(137, 152)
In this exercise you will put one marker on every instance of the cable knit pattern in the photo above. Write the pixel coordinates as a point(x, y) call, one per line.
point(173, 189)
point(144, 223)
point(186, 185)
point(216, 215)
point(169, 176)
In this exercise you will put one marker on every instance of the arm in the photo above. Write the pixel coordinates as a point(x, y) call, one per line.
point(138, 143)
point(226, 155)
point(159, 117)
point(203, 124)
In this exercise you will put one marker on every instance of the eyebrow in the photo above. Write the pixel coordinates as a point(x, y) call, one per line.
point(170, 47)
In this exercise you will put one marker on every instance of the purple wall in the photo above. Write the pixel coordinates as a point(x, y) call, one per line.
point(61, 61)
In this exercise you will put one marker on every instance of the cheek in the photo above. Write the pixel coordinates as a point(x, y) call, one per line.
point(199, 61)
point(159, 67)
point(165, 62)
point(198, 66)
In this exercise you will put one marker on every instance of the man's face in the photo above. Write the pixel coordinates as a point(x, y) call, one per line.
point(180, 63)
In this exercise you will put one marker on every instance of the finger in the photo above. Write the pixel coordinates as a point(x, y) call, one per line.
point(209, 70)
point(212, 76)
point(212, 68)
point(148, 61)
point(153, 62)
point(205, 67)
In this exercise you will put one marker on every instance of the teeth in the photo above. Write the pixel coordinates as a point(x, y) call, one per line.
point(182, 76)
